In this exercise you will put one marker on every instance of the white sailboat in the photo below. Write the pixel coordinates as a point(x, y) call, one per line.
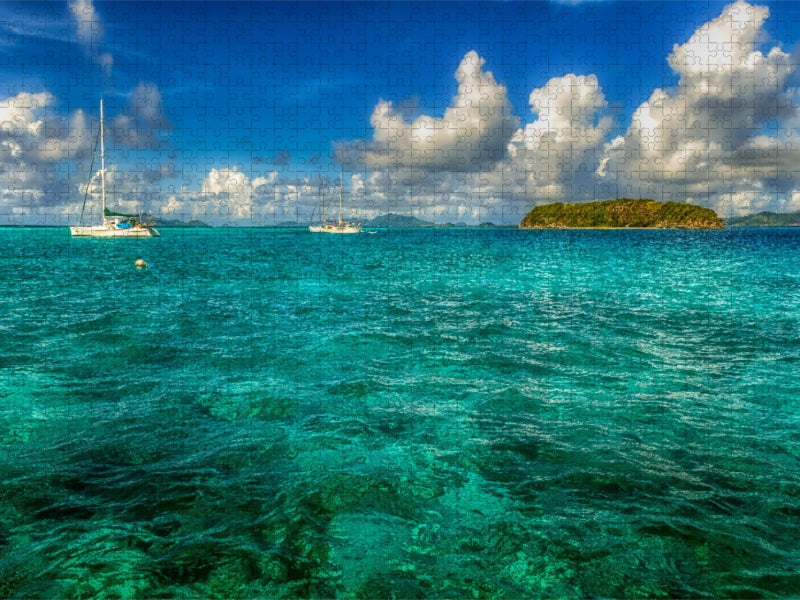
point(336, 227)
point(114, 224)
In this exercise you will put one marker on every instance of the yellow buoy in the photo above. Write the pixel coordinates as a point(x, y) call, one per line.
point(140, 264)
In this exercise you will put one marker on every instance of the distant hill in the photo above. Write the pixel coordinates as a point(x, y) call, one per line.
point(393, 220)
point(490, 225)
point(174, 223)
point(766, 219)
point(623, 212)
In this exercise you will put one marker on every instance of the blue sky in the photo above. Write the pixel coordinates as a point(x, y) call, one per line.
point(246, 113)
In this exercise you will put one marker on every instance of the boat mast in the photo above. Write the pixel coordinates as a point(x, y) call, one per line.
point(341, 186)
point(102, 163)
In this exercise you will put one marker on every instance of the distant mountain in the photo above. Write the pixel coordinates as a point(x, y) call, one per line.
point(175, 223)
point(766, 219)
point(490, 225)
point(393, 220)
point(282, 225)
point(623, 212)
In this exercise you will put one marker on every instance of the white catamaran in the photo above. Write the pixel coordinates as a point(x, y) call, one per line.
point(115, 224)
point(335, 227)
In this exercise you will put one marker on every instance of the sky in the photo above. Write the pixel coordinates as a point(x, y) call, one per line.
point(252, 113)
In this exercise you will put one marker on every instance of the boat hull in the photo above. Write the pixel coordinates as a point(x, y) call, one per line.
point(335, 228)
point(103, 231)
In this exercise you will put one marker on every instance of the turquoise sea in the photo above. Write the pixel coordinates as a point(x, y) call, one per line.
point(414, 414)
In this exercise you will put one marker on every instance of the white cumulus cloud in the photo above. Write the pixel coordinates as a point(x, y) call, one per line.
point(556, 156)
point(472, 135)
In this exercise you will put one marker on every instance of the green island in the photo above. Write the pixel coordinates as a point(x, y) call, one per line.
point(622, 213)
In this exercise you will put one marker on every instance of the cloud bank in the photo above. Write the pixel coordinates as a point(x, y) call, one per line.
point(33, 140)
point(705, 141)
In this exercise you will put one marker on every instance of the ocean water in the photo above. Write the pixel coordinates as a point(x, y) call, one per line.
point(413, 414)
